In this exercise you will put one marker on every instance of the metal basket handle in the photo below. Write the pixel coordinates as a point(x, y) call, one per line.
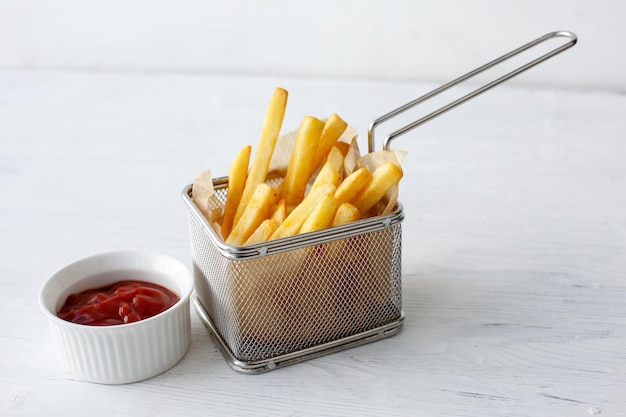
point(386, 144)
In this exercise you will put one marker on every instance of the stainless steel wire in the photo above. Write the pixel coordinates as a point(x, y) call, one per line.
point(388, 116)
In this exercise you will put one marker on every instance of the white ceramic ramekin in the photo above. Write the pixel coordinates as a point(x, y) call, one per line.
point(127, 352)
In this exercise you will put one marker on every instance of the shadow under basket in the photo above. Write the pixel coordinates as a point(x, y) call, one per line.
point(284, 301)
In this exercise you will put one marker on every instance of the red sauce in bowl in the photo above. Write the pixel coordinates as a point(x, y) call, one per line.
point(120, 303)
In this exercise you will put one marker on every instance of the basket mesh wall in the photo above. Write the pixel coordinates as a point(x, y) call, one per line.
point(285, 302)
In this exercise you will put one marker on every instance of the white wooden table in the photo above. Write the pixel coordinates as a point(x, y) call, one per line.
point(514, 247)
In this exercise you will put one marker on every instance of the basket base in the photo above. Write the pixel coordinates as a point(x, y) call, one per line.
point(258, 367)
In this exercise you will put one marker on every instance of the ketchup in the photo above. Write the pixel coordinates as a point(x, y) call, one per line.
point(123, 302)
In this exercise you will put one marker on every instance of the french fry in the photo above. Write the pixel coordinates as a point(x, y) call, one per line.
point(280, 211)
point(271, 128)
point(299, 168)
point(298, 215)
point(258, 209)
point(352, 185)
point(327, 175)
point(236, 181)
point(333, 129)
point(320, 164)
point(263, 232)
point(322, 214)
point(384, 177)
point(331, 170)
point(346, 213)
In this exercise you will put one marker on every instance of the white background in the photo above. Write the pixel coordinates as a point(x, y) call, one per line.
point(396, 39)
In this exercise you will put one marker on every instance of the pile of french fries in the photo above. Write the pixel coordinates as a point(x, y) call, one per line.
point(316, 192)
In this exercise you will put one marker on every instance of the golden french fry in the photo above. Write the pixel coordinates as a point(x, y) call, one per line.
point(384, 177)
point(258, 209)
point(298, 215)
point(335, 157)
point(322, 214)
point(280, 211)
point(331, 170)
point(299, 168)
point(327, 175)
point(271, 128)
point(333, 129)
point(352, 185)
point(263, 232)
point(346, 213)
point(254, 211)
point(236, 181)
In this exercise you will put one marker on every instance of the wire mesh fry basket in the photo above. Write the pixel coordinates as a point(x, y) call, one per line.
point(284, 301)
